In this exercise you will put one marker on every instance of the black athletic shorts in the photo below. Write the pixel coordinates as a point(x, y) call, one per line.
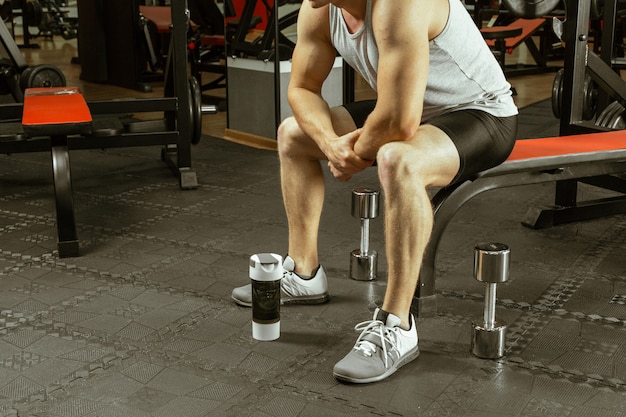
point(482, 140)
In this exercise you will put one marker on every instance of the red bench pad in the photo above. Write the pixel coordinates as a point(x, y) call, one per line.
point(55, 111)
point(217, 40)
point(528, 26)
point(161, 16)
point(568, 145)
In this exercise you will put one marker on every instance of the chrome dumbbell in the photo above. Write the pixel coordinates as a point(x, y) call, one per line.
point(491, 266)
point(364, 261)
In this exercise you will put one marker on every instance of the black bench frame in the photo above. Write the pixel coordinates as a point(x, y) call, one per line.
point(581, 167)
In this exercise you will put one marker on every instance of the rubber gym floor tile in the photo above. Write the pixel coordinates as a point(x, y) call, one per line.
point(142, 324)
point(147, 400)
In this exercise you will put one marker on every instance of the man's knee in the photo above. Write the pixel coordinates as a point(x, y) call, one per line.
point(294, 143)
point(393, 163)
point(286, 134)
point(425, 162)
point(291, 139)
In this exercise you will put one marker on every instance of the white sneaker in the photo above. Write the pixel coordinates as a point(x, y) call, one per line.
point(293, 288)
point(381, 349)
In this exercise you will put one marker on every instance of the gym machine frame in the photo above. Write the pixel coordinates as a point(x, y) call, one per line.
point(180, 105)
point(265, 47)
point(580, 61)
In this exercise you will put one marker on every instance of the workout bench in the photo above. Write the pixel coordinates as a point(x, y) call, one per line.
point(584, 157)
point(41, 117)
point(58, 120)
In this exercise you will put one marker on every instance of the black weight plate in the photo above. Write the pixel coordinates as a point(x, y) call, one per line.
point(557, 93)
point(32, 13)
point(614, 113)
point(617, 119)
point(41, 76)
point(195, 105)
point(24, 78)
point(607, 115)
point(601, 117)
point(590, 98)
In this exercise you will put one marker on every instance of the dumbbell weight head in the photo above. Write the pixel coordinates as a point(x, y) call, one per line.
point(488, 343)
point(365, 203)
point(363, 267)
point(491, 262)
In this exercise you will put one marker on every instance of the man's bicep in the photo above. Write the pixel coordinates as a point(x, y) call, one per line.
point(311, 64)
point(403, 67)
point(314, 54)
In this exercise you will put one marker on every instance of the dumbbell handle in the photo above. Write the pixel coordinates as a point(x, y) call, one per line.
point(490, 306)
point(365, 236)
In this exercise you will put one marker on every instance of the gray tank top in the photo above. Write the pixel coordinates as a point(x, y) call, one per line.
point(463, 72)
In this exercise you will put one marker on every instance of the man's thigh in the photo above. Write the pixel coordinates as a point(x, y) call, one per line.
point(343, 120)
point(482, 140)
point(359, 111)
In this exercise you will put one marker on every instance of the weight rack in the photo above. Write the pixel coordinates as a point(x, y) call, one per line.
point(580, 62)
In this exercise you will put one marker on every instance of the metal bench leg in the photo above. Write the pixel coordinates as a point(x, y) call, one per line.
point(66, 224)
point(446, 203)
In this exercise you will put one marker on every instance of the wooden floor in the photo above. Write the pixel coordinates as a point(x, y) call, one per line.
point(59, 52)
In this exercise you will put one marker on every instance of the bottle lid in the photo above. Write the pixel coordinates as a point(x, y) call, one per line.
point(266, 267)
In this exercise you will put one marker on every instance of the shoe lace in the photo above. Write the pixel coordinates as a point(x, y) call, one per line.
point(376, 330)
point(288, 284)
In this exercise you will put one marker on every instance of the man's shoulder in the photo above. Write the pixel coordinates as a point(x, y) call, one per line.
point(313, 22)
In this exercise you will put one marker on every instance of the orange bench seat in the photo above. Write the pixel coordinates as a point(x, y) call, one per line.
point(55, 111)
point(568, 145)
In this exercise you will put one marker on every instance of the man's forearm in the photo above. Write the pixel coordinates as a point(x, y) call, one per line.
point(373, 137)
point(382, 127)
point(312, 114)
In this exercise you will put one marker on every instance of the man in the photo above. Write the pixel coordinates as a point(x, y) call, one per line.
point(443, 112)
